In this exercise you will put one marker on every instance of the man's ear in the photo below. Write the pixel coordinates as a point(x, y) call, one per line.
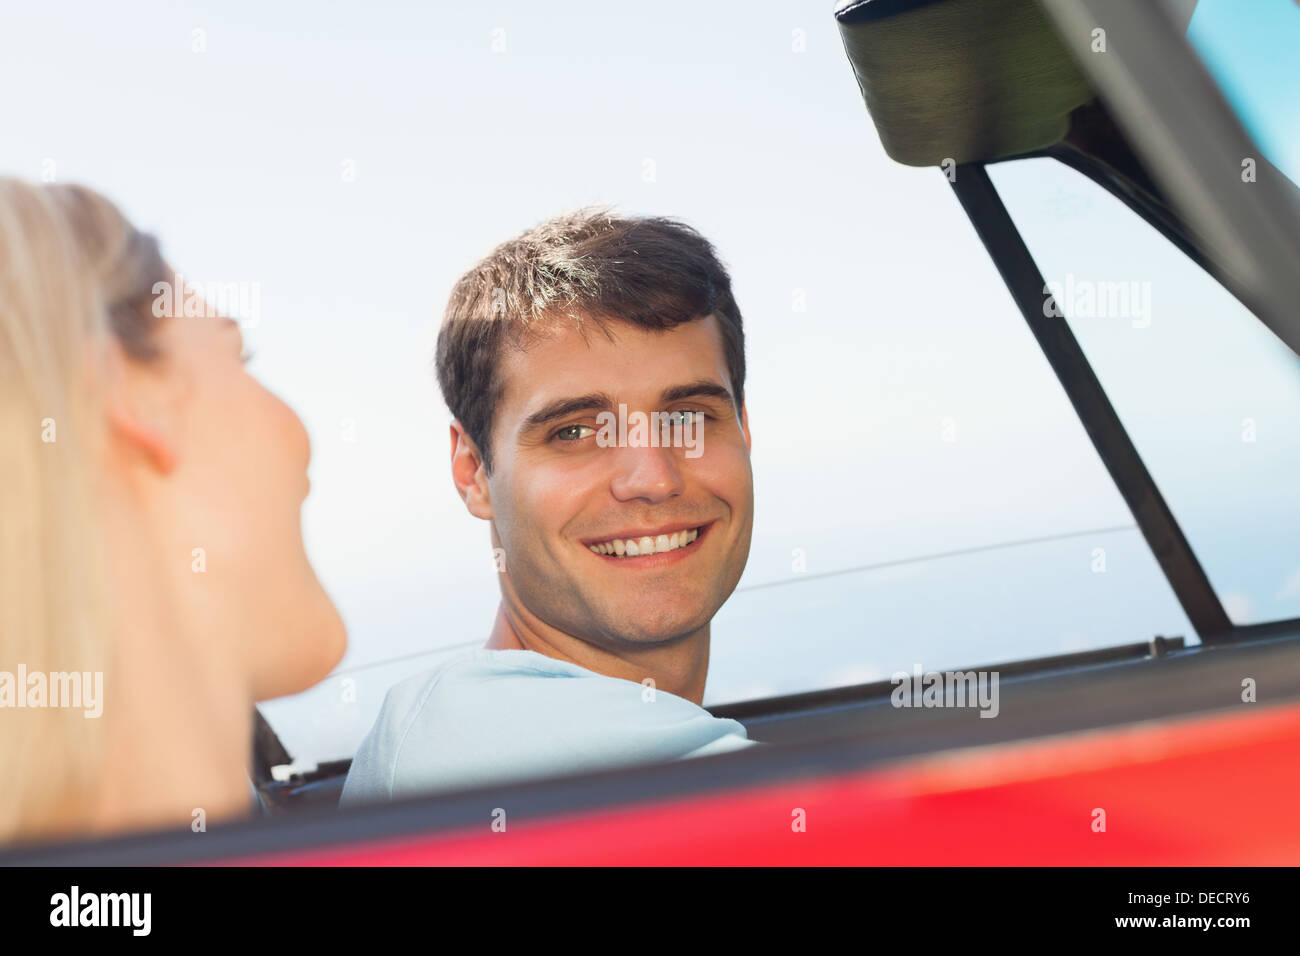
point(135, 406)
point(744, 427)
point(468, 473)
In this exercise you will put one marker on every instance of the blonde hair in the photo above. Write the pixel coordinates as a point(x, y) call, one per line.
point(74, 274)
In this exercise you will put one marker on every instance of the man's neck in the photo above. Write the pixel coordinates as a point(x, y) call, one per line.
point(680, 668)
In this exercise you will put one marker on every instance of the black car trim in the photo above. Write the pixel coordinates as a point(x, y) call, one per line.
point(1199, 681)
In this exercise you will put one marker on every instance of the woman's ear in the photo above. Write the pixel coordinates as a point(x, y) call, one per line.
point(469, 474)
point(137, 410)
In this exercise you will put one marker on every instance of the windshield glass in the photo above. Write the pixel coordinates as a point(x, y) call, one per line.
point(1210, 397)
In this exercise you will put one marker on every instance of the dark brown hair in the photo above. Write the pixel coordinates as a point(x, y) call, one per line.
point(587, 266)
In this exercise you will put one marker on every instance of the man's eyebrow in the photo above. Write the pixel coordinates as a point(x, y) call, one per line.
point(562, 407)
point(699, 389)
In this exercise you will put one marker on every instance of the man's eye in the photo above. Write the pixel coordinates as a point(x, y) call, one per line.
point(687, 416)
point(575, 433)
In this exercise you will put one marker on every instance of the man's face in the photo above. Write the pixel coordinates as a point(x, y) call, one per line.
point(557, 489)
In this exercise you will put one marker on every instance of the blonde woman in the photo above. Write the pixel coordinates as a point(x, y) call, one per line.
point(153, 582)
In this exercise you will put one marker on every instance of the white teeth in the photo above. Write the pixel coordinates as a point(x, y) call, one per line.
point(634, 547)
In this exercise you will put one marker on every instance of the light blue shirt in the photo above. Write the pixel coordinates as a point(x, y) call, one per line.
point(495, 715)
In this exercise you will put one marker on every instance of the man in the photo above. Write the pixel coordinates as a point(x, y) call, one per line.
point(615, 544)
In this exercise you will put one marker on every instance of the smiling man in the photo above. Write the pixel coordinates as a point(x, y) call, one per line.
point(615, 546)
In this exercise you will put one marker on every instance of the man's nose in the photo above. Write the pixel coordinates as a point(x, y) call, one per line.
point(649, 473)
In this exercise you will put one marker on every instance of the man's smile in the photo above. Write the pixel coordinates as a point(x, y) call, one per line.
point(650, 547)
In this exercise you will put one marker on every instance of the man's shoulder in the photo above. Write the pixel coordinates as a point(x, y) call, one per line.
point(497, 696)
point(490, 715)
point(421, 697)
point(431, 722)
point(426, 693)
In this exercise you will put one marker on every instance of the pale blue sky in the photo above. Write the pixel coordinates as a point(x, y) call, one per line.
point(234, 156)
point(1250, 50)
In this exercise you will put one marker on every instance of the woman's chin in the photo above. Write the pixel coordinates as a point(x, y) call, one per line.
point(304, 654)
